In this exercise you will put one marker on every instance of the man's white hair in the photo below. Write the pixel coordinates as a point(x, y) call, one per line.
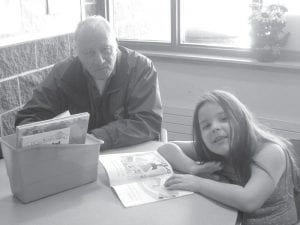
point(93, 23)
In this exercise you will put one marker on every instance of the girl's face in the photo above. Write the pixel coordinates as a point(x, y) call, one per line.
point(215, 128)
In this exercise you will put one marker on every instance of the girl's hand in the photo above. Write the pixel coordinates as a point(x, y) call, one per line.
point(201, 168)
point(186, 182)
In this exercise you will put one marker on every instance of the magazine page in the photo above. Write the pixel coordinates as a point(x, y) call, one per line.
point(63, 114)
point(60, 136)
point(129, 167)
point(54, 130)
point(146, 191)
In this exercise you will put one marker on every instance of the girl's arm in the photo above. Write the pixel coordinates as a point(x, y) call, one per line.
point(183, 163)
point(188, 148)
point(252, 196)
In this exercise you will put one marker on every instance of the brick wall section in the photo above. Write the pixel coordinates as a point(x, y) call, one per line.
point(22, 68)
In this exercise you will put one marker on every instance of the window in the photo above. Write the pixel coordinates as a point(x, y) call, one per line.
point(292, 5)
point(215, 22)
point(142, 20)
point(211, 23)
point(30, 19)
point(209, 27)
point(90, 8)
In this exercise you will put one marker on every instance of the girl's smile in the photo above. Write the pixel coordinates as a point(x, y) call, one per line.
point(215, 128)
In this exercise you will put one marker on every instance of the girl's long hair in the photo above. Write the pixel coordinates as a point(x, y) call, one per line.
point(246, 134)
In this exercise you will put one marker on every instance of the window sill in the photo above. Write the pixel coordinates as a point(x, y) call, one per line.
point(289, 60)
point(245, 62)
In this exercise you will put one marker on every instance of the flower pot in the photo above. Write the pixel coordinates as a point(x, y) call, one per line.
point(267, 53)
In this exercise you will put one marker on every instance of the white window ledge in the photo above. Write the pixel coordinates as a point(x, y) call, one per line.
point(293, 66)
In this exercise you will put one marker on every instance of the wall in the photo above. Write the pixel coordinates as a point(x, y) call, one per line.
point(22, 68)
point(269, 94)
point(24, 65)
point(292, 24)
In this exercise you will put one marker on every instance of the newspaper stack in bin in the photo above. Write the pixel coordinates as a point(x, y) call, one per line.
point(39, 170)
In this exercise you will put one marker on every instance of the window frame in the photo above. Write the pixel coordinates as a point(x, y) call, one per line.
point(10, 39)
point(175, 45)
point(289, 60)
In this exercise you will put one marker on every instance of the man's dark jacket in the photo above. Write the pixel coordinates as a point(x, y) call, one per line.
point(128, 112)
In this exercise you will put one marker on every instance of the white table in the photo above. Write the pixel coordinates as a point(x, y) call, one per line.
point(97, 204)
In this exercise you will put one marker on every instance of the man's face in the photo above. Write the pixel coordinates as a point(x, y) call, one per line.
point(97, 51)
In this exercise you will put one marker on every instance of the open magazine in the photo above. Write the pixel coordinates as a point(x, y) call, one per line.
point(63, 129)
point(139, 177)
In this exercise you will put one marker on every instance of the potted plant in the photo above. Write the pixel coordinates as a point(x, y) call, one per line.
point(267, 31)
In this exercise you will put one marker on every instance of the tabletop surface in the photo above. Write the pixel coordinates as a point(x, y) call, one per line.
point(96, 203)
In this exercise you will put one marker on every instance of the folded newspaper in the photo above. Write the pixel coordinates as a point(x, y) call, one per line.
point(139, 177)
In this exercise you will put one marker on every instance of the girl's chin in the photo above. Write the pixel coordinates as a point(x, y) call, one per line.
point(222, 150)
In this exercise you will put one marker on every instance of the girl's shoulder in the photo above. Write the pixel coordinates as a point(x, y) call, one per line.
point(271, 158)
point(270, 152)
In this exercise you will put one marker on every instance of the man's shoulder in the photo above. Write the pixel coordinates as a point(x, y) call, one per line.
point(67, 72)
point(134, 58)
point(70, 63)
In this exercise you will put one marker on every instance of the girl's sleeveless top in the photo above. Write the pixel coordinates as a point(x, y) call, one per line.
point(280, 208)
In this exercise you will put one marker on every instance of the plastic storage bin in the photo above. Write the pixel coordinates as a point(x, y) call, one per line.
point(39, 171)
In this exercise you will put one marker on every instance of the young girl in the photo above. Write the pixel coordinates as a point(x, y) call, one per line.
point(232, 146)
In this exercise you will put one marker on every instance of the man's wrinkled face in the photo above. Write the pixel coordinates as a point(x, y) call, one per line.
point(97, 51)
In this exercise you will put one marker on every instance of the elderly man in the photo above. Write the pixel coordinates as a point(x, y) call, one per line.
point(117, 86)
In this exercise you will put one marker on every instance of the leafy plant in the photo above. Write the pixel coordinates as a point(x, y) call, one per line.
point(267, 26)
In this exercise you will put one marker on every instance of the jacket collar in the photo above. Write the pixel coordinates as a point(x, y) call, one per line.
point(75, 75)
point(119, 77)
